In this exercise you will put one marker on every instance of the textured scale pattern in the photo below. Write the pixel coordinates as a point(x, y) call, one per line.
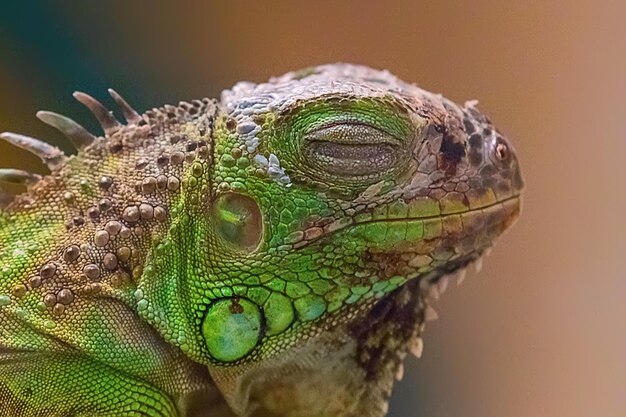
point(271, 253)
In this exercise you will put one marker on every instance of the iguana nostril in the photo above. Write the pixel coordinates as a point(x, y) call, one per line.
point(232, 328)
point(239, 221)
point(501, 151)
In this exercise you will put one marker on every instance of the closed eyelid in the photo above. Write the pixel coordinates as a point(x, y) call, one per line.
point(354, 150)
point(355, 125)
point(351, 133)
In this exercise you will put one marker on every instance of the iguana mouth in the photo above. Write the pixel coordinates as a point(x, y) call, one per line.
point(506, 210)
point(508, 201)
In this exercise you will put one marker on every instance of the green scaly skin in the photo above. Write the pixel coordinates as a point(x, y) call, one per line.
point(267, 254)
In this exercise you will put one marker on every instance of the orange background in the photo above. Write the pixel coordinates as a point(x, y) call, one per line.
point(540, 332)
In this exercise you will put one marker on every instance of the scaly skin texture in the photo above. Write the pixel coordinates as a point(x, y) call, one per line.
point(269, 254)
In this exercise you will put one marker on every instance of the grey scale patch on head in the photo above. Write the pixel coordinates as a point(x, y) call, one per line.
point(280, 93)
point(273, 169)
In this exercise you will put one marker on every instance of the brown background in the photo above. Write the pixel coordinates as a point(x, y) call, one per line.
point(540, 332)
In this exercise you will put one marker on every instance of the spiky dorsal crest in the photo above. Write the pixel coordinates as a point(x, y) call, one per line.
point(80, 137)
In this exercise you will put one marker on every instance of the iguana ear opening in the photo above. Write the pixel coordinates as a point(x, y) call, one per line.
point(238, 221)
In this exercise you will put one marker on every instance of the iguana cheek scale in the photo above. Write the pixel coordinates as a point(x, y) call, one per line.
point(273, 251)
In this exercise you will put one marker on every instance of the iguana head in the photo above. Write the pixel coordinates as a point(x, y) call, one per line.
point(337, 195)
point(284, 237)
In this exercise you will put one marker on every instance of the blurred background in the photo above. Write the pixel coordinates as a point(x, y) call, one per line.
point(541, 331)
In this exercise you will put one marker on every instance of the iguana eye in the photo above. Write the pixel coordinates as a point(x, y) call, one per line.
point(350, 149)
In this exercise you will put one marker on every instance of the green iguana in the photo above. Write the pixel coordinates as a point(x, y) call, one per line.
point(270, 253)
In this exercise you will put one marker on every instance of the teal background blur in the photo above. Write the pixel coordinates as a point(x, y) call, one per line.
point(540, 332)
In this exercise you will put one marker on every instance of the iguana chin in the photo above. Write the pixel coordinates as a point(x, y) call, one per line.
point(267, 254)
